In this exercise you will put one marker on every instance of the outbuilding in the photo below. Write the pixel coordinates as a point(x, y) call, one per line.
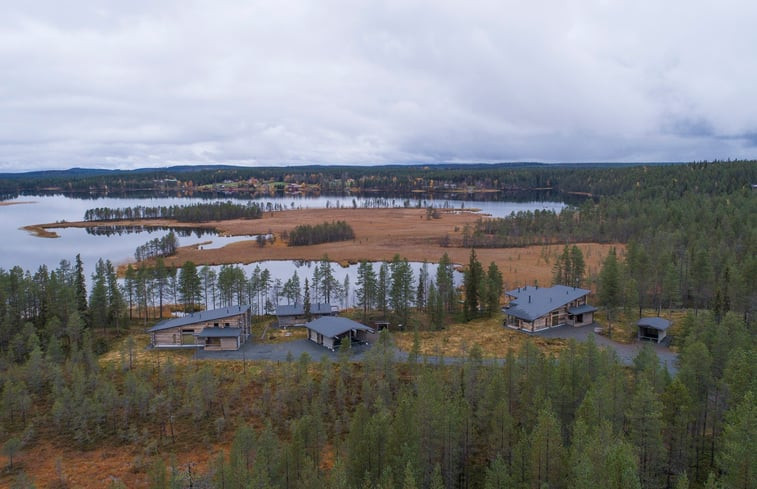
point(653, 329)
point(294, 314)
point(332, 331)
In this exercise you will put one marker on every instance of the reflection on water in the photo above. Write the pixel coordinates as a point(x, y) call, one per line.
point(110, 230)
point(118, 244)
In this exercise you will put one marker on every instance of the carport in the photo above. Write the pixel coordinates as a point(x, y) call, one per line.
point(331, 331)
point(652, 329)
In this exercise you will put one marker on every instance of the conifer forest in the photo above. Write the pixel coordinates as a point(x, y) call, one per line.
point(77, 374)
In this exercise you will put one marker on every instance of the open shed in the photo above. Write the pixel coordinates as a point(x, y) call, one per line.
point(331, 331)
point(220, 338)
point(653, 329)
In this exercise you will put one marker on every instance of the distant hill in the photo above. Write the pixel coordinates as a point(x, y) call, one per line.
point(94, 172)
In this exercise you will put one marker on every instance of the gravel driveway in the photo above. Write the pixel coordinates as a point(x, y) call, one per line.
point(626, 352)
point(278, 352)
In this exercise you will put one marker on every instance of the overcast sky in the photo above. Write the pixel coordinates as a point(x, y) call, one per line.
point(138, 83)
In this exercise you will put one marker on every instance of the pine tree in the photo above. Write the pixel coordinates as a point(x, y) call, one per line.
point(116, 304)
point(472, 284)
point(609, 285)
point(421, 294)
point(11, 448)
point(401, 291)
point(577, 267)
point(190, 288)
point(645, 426)
point(445, 284)
point(306, 301)
point(738, 457)
point(98, 300)
point(366, 287)
point(80, 287)
point(493, 289)
point(382, 288)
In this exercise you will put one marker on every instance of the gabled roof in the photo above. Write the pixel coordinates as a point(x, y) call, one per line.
point(220, 333)
point(333, 326)
point(660, 324)
point(299, 309)
point(531, 302)
point(200, 317)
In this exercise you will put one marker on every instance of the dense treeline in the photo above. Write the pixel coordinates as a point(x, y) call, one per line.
point(691, 231)
point(163, 247)
point(327, 232)
point(214, 211)
point(469, 179)
point(529, 421)
point(42, 303)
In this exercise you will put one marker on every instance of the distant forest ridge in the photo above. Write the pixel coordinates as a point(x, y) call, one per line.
point(76, 171)
point(468, 181)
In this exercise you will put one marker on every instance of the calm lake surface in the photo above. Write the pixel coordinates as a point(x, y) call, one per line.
point(29, 252)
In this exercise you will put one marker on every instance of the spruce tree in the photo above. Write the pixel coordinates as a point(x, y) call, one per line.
point(472, 284)
point(306, 301)
point(80, 287)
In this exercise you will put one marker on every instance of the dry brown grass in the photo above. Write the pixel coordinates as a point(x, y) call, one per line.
point(489, 334)
point(2, 204)
point(380, 234)
point(141, 355)
point(40, 231)
point(50, 465)
point(624, 328)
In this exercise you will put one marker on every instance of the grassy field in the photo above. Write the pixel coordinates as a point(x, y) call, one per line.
point(624, 322)
point(457, 339)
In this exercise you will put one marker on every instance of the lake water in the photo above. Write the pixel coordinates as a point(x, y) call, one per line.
point(29, 252)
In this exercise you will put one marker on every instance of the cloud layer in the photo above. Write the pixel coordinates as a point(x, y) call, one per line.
point(142, 83)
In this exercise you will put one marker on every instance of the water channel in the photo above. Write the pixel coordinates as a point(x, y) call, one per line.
point(21, 248)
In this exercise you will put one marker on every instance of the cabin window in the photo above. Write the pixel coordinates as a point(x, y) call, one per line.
point(226, 325)
point(187, 337)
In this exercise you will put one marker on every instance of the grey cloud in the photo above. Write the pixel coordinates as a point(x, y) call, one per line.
point(131, 84)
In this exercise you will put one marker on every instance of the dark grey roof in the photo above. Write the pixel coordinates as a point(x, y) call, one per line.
point(333, 326)
point(582, 309)
point(660, 324)
point(200, 317)
point(299, 309)
point(220, 333)
point(531, 302)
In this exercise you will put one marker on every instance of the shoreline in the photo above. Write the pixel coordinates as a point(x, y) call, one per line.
point(380, 234)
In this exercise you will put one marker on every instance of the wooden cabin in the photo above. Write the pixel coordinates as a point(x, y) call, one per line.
point(294, 315)
point(332, 331)
point(226, 328)
point(533, 308)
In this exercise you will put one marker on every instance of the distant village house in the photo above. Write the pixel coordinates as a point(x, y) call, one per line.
point(534, 308)
point(226, 328)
